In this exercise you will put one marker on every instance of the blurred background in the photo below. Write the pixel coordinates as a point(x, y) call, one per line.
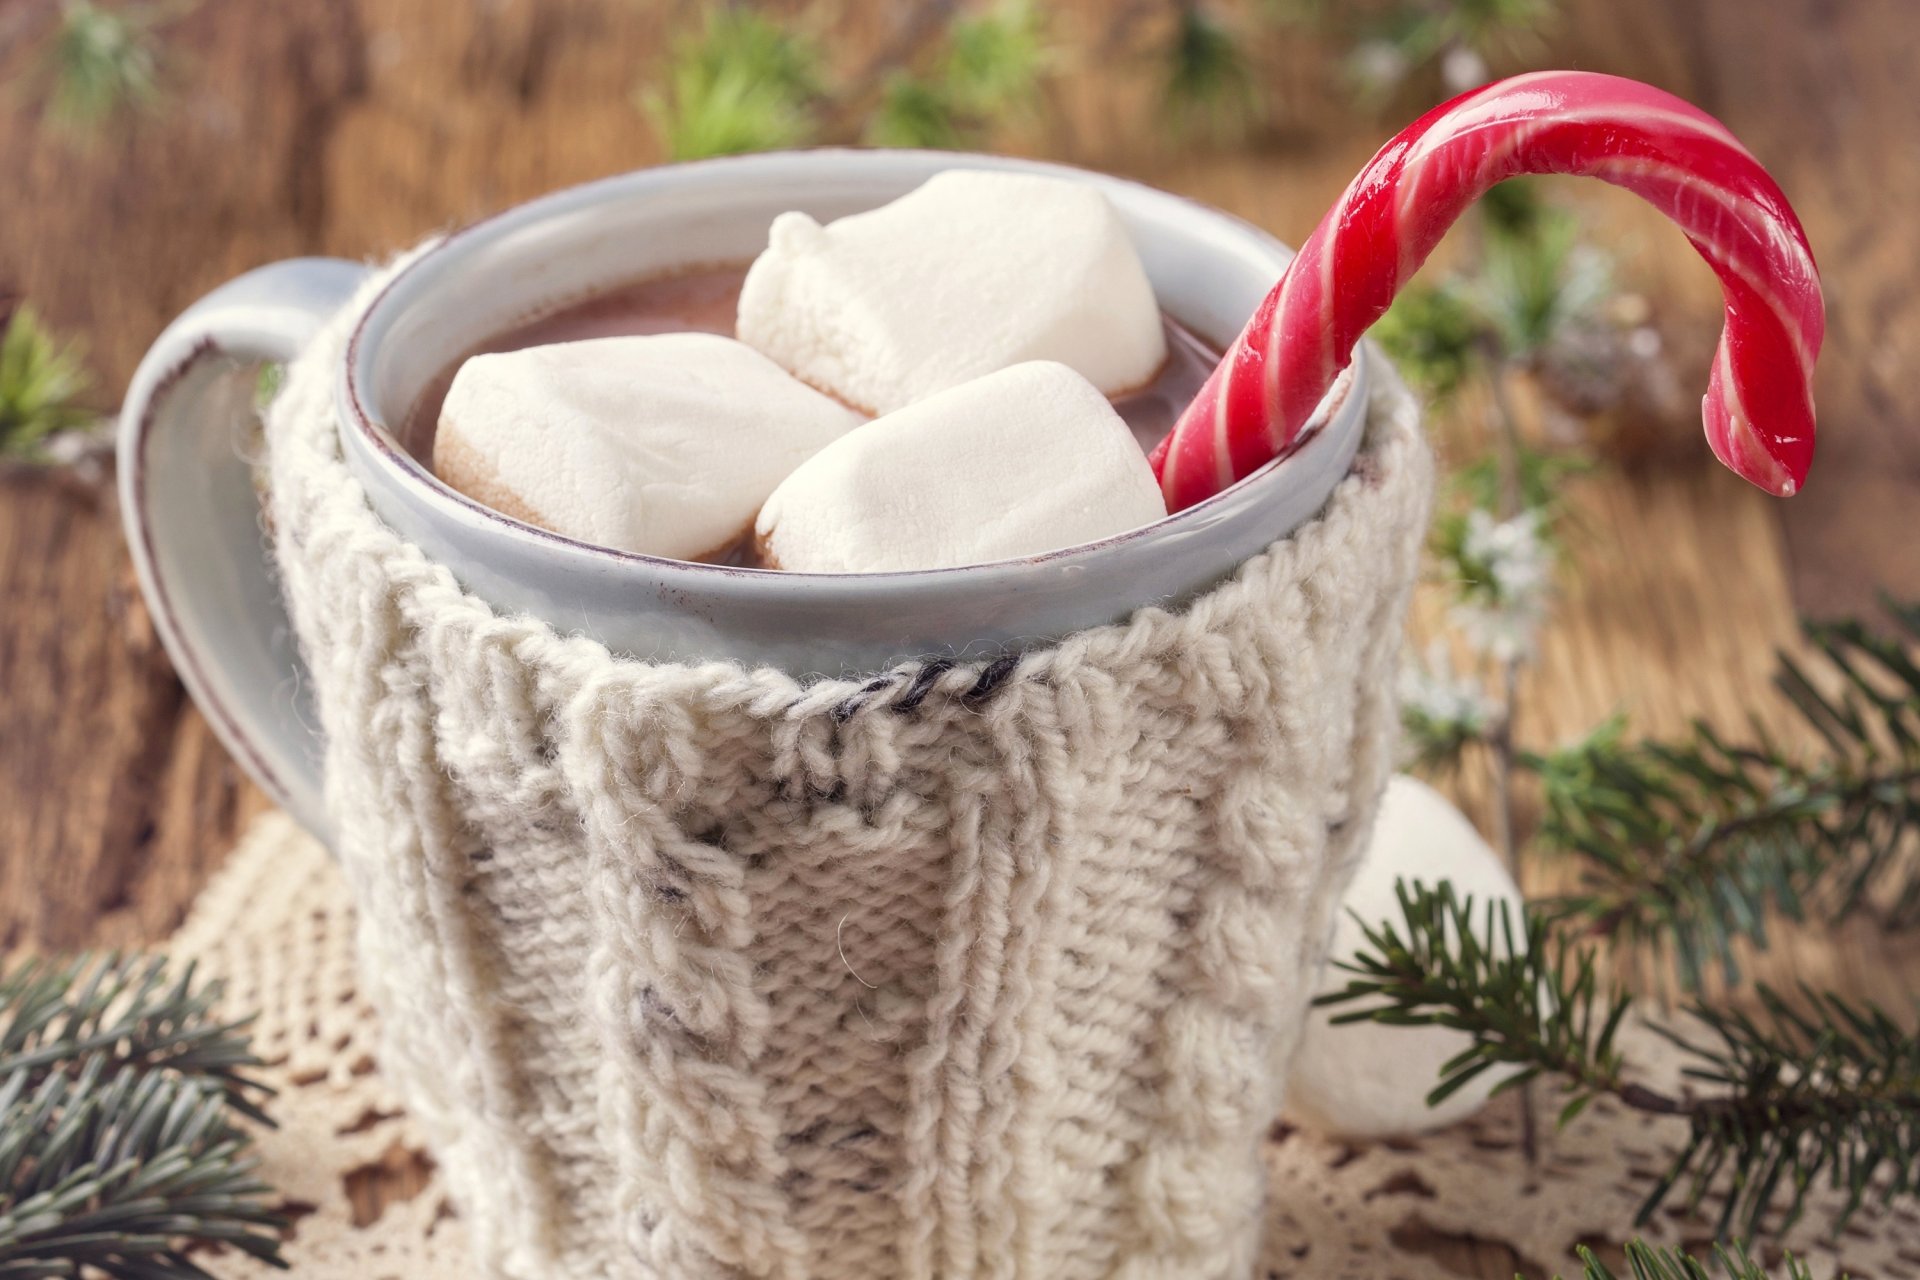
point(154, 148)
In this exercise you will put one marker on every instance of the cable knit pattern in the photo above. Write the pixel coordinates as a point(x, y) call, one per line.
point(968, 972)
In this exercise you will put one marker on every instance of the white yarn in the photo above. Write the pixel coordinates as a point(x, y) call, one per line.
point(963, 971)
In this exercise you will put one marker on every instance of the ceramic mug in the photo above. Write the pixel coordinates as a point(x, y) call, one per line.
point(193, 514)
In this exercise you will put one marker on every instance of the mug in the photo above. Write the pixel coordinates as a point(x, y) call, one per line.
point(193, 512)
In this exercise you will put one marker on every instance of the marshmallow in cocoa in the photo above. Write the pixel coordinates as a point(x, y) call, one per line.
point(968, 274)
point(665, 444)
point(1023, 461)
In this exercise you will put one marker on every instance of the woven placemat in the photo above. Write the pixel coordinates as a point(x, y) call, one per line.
point(276, 925)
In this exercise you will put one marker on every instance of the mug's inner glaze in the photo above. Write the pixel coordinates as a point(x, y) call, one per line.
point(705, 299)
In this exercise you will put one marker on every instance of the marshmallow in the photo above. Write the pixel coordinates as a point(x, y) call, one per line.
point(970, 273)
point(1027, 460)
point(665, 444)
point(1364, 1080)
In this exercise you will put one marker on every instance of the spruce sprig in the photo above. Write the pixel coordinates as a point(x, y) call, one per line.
point(1530, 999)
point(130, 1012)
point(740, 83)
point(989, 68)
point(1209, 79)
point(1829, 1093)
point(1689, 845)
point(1650, 1262)
point(104, 63)
point(119, 1154)
point(42, 380)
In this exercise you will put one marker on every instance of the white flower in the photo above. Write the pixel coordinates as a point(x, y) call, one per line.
point(1503, 619)
point(1378, 65)
point(1462, 69)
point(1440, 697)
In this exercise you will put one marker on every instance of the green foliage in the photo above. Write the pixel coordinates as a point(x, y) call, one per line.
point(1530, 1001)
point(1540, 478)
point(914, 112)
point(741, 83)
point(1209, 83)
point(1389, 42)
point(118, 1153)
point(1535, 289)
point(41, 382)
point(1828, 1094)
point(1514, 208)
point(1687, 846)
point(1535, 284)
point(1432, 333)
point(104, 62)
point(990, 68)
point(128, 1012)
point(1442, 713)
point(744, 82)
point(995, 61)
point(1648, 1262)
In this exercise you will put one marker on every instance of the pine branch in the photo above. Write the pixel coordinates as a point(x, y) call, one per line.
point(1529, 999)
point(1689, 845)
point(126, 1012)
point(1649, 1262)
point(1828, 1095)
point(1828, 1092)
point(41, 382)
point(741, 83)
point(915, 112)
point(995, 61)
point(989, 68)
point(104, 62)
point(118, 1153)
point(1209, 83)
point(745, 82)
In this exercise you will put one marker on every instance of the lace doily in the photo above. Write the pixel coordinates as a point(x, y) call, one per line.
point(276, 925)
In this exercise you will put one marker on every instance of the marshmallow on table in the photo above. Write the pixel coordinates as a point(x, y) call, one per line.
point(968, 274)
point(1365, 1080)
point(1027, 460)
point(665, 444)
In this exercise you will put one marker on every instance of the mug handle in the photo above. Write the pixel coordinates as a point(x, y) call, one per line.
point(193, 517)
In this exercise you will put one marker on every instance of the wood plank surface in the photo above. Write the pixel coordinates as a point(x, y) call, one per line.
point(355, 127)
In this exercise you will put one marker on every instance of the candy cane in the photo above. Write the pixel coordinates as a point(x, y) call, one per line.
point(1758, 409)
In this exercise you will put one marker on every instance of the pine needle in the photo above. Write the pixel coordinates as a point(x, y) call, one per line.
point(741, 83)
point(104, 63)
point(1650, 1262)
point(1209, 81)
point(915, 112)
point(118, 1152)
point(1690, 845)
point(41, 382)
point(1799, 1096)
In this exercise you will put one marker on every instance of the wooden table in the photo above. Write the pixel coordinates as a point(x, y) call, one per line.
point(354, 127)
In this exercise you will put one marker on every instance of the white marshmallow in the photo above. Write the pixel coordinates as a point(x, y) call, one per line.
point(665, 444)
point(1364, 1080)
point(970, 273)
point(1022, 461)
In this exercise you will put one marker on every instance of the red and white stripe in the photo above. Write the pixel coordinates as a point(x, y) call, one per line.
point(1758, 410)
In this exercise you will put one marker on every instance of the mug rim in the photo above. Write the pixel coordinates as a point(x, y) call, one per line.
point(351, 394)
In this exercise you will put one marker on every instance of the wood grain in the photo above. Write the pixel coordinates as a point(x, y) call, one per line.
point(354, 127)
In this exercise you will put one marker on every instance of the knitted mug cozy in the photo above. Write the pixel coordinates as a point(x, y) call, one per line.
point(963, 970)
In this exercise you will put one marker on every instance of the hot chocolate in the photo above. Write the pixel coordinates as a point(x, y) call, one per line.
point(706, 300)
